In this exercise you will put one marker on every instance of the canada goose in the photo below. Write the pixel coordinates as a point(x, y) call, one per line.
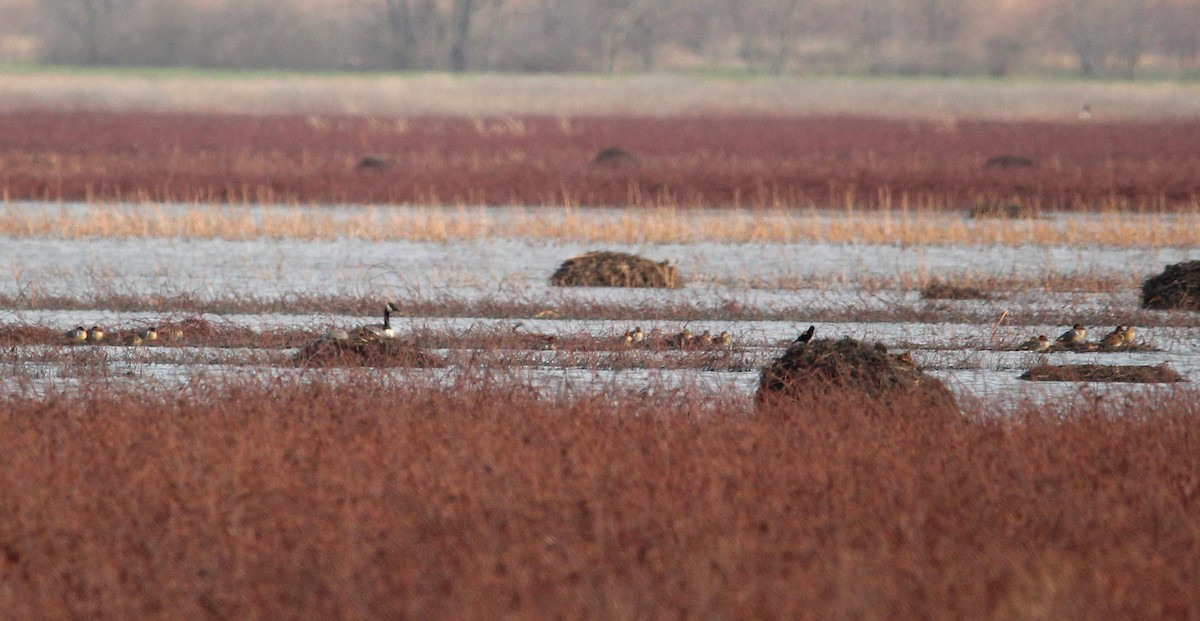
point(76, 335)
point(1073, 336)
point(149, 334)
point(1040, 343)
point(383, 330)
point(95, 334)
point(1129, 335)
point(723, 339)
point(807, 336)
point(1113, 339)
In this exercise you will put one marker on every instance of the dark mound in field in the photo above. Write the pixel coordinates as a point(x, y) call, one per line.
point(615, 269)
point(615, 156)
point(938, 290)
point(372, 162)
point(1176, 288)
point(831, 372)
point(1006, 162)
point(1001, 210)
point(359, 352)
point(1140, 374)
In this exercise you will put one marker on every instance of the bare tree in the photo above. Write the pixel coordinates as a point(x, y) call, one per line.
point(874, 23)
point(619, 19)
point(769, 31)
point(1178, 22)
point(939, 23)
point(85, 21)
point(1103, 32)
point(1083, 28)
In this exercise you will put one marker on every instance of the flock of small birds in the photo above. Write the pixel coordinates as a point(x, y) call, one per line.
point(680, 340)
point(96, 335)
point(1071, 340)
point(1075, 340)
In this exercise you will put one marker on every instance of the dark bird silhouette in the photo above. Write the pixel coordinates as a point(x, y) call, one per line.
point(806, 337)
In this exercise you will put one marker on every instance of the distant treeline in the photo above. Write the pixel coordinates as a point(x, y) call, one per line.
point(1118, 38)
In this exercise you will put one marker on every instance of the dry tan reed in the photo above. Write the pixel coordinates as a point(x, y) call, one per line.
point(627, 225)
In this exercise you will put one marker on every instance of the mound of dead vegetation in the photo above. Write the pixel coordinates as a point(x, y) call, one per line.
point(359, 352)
point(829, 372)
point(941, 290)
point(1009, 162)
point(1001, 210)
point(615, 269)
point(1176, 288)
point(1137, 374)
point(615, 156)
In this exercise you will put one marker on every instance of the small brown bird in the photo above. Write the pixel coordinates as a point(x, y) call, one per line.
point(1040, 343)
point(806, 336)
point(683, 339)
point(1129, 335)
point(76, 335)
point(1073, 336)
point(705, 339)
point(723, 339)
point(1113, 339)
point(638, 335)
point(95, 334)
point(149, 334)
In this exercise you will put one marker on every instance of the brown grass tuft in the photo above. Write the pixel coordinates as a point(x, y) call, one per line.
point(365, 352)
point(1140, 374)
point(941, 290)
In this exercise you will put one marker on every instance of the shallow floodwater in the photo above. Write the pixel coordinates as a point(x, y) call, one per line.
point(514, 269)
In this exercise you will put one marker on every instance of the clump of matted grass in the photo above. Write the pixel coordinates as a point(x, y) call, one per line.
point(365, 352)
point(938, 289)
point(1009, 210)
point(615, 269)
point(817, 372)
point(1137, 374)
point(1176, 288)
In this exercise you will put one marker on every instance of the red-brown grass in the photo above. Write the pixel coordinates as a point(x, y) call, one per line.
point(369, 499)
point(708, 160)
